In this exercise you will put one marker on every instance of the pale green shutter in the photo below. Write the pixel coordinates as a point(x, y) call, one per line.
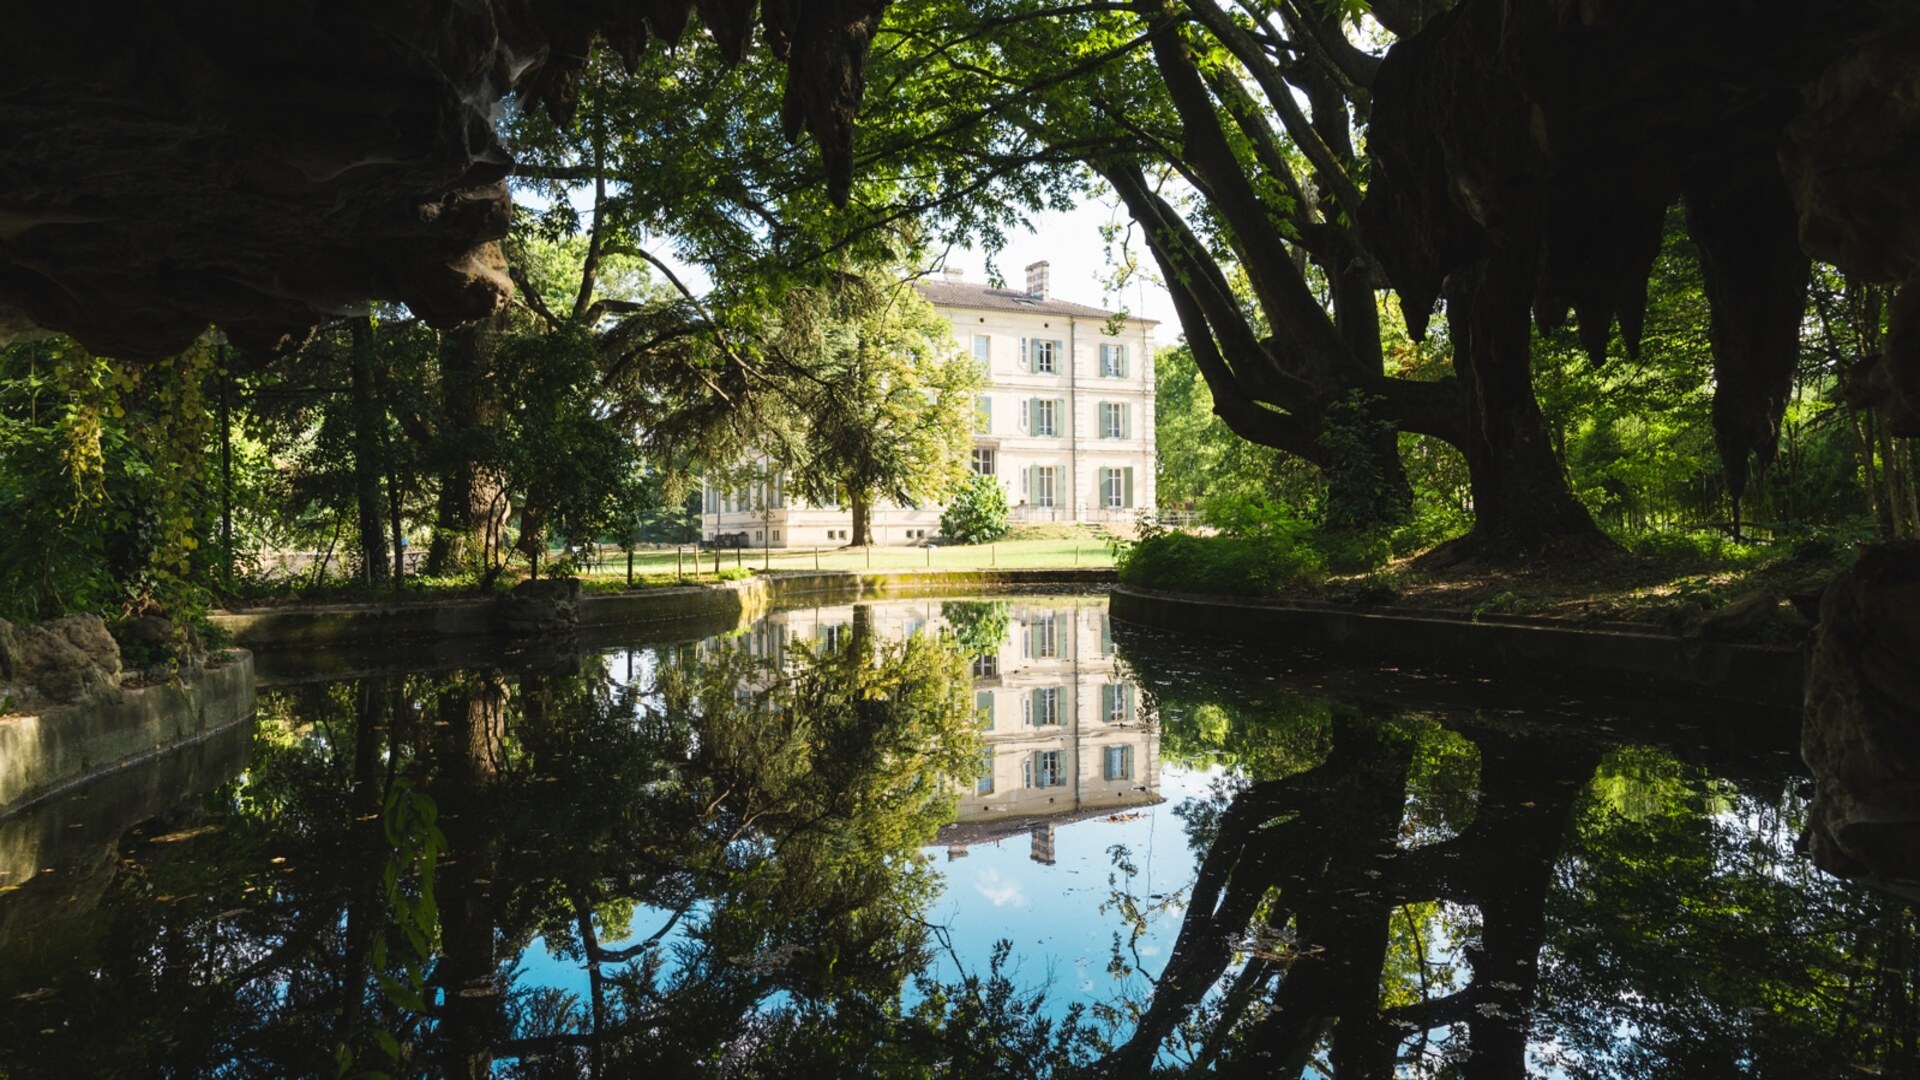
point(1126, 497)
point(1126, 420)
point(1059, 416)
point(1121, 358)
point(1127, 700)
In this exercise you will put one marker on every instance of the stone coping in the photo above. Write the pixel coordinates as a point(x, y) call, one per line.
point(44, 754)
point(297, 639)
point(1617, 655)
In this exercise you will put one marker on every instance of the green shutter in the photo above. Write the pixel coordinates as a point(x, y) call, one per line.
point(1126, 497)
point(1126, 420)
point(1126, 693)
point(1059, 416)
point(1122, 357)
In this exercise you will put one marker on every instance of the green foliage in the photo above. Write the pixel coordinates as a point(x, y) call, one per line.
point(977, 513)
point(979, 626)
point(103, 483)
point(888, 405)
point(1252, 565)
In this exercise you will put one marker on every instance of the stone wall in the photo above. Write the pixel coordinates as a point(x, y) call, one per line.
point(1533, 649)
point(60, 745)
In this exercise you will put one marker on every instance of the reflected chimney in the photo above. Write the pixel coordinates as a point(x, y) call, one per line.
point(1042, 851)
point(1037, 279)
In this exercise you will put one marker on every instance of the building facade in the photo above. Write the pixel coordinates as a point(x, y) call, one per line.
point(1065, 423)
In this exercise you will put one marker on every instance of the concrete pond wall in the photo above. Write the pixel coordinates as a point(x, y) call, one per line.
point(63, 745)
point(294, 644)
point(1523, 648)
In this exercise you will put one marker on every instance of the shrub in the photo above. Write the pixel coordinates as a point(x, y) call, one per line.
point(977, 513)
point(1234, 565)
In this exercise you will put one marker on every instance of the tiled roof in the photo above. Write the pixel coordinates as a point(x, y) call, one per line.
point(967, 294)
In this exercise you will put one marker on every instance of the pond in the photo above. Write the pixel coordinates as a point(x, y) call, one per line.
point(988, 836)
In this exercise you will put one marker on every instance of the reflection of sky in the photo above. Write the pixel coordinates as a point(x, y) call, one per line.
point(1061, 939)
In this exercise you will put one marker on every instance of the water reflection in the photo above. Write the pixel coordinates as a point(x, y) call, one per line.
point(790, 852)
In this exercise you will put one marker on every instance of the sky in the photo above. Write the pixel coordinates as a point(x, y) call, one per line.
point(1071, 244)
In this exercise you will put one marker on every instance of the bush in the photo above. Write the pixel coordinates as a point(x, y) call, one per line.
point(1233, 565)
point(977, 513)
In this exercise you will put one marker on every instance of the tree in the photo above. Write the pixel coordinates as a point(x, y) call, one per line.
point(889, 402)
point(977, 513)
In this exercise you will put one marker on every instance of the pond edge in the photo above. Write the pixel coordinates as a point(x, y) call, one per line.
point(1613, 656)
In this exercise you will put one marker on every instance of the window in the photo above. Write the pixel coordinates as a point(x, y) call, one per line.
point(1116, 488)
point(1117, 763)
point(983, 414)
point(986, 667)
point(1116, 420)
point(1044, 416)
point(1045, 637)
point(1043, 356)
point(832, 636)
point(983, 707)
point(1043, 485)
point(1116, 703)
point(1113, 361)
point(983, 460)
point(1045, 707)
point(983, 351)
point(985, 784)
point(1047, 770)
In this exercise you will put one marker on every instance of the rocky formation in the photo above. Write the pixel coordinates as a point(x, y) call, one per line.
point(258, 166)
point(544, 607)
point(64, 661)
point(1862, 733)
point(1525, 156)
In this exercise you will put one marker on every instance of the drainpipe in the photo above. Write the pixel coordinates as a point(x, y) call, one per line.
point(1073, 418)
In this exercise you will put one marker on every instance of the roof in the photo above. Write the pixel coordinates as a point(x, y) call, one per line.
point(967, 294)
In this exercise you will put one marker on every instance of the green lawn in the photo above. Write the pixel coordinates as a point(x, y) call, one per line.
point(1085, 551)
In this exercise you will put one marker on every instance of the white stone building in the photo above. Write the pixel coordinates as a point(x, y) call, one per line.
point(1066, 423)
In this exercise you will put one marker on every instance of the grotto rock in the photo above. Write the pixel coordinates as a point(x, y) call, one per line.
point(65, 661)
point(261, 166)
point(1861, 735)
point(546, 606)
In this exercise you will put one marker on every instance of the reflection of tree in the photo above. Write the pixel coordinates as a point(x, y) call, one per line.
point(1411, 898)
point(764, 820)
point(1682, 913)
point(979, 626)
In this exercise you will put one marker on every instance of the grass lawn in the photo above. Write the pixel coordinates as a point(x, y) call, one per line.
point(1074, 551)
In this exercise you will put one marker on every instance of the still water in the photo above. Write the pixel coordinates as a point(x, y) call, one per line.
point(975, 837)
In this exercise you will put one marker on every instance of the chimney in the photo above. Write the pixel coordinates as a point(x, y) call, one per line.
point(953, 274)
point(1037, 280)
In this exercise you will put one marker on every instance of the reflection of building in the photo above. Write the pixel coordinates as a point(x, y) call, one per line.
point(1066, 736)
point(1065, 422)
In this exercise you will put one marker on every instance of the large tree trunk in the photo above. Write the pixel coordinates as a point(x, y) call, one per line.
point(368, 418)
point(470, 520)
point(1522, 503)
point(473, 1020)
point(862, 507)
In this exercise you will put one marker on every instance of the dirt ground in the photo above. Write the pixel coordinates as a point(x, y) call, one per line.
point(1765, 599)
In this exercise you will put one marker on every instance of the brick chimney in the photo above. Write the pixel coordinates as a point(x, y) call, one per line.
point(953, 274)
point(1037, 280)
